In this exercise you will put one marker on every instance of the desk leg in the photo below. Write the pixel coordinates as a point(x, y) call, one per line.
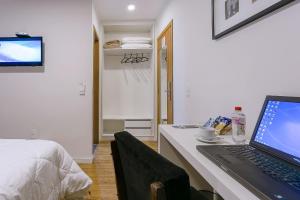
point(169, 152)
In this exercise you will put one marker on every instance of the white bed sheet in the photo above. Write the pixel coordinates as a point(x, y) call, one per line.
point(39, 170)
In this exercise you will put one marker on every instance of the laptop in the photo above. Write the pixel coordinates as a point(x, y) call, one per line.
point(270, 165)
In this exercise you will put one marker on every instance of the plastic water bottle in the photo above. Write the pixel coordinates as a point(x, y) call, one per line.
point(238, 126)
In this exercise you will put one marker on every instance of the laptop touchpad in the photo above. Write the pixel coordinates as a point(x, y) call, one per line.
point(229, 159)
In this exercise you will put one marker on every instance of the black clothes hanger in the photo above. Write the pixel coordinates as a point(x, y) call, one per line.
point(124, 59)
point(134, 59)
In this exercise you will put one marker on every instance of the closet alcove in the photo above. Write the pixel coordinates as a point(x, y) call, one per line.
point(128, 81)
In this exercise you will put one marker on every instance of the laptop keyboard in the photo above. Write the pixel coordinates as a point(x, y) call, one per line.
point(273, 167)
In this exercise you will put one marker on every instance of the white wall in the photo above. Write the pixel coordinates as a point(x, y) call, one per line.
point(47, 99)
point(99, 29)
point(96, 22)
point(211, 77)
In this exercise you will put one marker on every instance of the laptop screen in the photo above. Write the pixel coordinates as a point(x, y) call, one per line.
point(279, 127)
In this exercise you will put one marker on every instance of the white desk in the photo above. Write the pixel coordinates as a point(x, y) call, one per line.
point(179, 146)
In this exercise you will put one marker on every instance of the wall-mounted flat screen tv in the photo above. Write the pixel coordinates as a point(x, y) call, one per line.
point(16, 51)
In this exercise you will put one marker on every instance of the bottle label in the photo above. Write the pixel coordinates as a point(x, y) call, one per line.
point(240, 125)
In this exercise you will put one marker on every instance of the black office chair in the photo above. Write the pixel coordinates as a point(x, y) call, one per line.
point(143, 174)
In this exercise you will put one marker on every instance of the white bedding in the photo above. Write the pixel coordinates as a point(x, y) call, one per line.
point(136, 46)
point(39, 170)
point(136, 40)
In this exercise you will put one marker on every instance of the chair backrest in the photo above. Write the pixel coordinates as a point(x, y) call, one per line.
point(137, 167)
point(120, 180)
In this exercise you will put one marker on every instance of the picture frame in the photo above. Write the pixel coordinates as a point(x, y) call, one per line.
point(230, 15)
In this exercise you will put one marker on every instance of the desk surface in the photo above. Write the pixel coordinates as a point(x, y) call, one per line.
point(184, 141)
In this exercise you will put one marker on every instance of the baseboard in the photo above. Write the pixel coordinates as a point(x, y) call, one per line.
point(84, 160)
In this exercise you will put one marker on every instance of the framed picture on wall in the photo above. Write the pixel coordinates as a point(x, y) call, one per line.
point(230, 15)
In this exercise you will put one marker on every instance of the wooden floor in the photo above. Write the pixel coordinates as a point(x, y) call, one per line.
point(102, 173)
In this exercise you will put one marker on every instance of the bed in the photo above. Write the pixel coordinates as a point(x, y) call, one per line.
point(39, 170)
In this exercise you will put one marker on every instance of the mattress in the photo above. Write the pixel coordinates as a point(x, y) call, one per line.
point(39, 170)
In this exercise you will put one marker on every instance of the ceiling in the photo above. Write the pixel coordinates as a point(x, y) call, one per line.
point(116, 10)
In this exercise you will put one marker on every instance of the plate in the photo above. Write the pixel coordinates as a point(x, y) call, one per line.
point(210, 141)
point(186, 126)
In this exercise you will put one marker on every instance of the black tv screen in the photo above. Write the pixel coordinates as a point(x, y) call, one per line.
point(16, 51)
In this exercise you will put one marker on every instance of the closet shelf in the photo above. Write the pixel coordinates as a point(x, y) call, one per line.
point(121, 52)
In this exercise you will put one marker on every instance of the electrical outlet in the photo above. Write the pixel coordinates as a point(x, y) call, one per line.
point(188, 93)
point(34, 134)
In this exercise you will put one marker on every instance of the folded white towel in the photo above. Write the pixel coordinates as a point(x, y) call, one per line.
point(138, 40)
point(136, 46)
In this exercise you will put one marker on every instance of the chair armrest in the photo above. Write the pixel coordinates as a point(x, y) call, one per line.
point(157, 191)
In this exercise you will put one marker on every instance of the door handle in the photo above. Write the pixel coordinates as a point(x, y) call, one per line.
point(170, 91)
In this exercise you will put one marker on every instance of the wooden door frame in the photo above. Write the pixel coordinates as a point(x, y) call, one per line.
point(96, 87)
point(170, 74)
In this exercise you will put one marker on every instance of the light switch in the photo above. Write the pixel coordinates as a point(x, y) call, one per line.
point(82, 89)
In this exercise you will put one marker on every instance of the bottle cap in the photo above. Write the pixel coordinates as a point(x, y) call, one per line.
point(238, 108)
